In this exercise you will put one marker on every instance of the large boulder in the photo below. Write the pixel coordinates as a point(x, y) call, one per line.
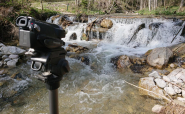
point(123, 62)
point(12, 50)
point(106, 23)
point(148, 84)
point(177, 74)
point(159, 57)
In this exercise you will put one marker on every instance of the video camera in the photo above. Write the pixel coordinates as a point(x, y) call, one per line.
point(45, 39)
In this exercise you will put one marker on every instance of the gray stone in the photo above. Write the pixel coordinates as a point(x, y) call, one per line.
point(1, 44)
point(12, 50)
point(183, 93)
point(177, 90)
point(2, 75)
point(170, 85)
point(154, 74)
point(148, 84)
point(181, 99)
point(172, 65)
point(157, 108)
point(7, 59)
point(160, 83)
point(159, 57)
point(170, 90)
point(5, 56)
point(165, 78)
point(12, 63)
point(1, 72)
point(177, 74)
point(1, 63)
point(13, 56)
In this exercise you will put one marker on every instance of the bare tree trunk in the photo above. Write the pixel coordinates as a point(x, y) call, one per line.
point(181, 5)
point(162, 2)
point(41, 4)
point(141, 4)
point(156, 4)
point(149, 4)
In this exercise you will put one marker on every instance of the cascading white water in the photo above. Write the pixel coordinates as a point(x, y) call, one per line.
point(123, 29)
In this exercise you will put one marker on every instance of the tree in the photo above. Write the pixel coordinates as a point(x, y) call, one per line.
point(163, 3)
point(181, 5)
point(149, 4)
point(141, 4)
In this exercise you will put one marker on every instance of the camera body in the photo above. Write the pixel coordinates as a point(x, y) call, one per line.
point(45, 39)
point(39, 35)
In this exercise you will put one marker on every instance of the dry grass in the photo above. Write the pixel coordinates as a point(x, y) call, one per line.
point(55, 6)
point(173, 108)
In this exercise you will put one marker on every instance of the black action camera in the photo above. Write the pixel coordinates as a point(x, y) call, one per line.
point(45, 38)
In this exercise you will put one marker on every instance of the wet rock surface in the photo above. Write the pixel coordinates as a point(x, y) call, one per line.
point(76, 48)
point(159, 57)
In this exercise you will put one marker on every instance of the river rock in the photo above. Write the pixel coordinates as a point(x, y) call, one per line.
point(64, 22)
point(8, 93)
point(73, 36)
point(85, 60)
point(170, 90)
point(183, 31)
point(7, 59)
point(12, 63)
point(177, 90)
point(106, 23)
point(165, 78)
point(1, 44)
point(173, 65)
point(176, 74)
point(154, 74)
point(54, 17)
point(1, 63)
point(181, 99)
point(157, 109)
point(12, 50)
point(183, 93)
point(148, 83)
point(1, 72)
point(81, 18)
point(5, 56)
point(155, 25)
point(13, 56)
point(159, 57)
point(84, 37)
point(123, 62)
point(76, 48)
point(160, 83)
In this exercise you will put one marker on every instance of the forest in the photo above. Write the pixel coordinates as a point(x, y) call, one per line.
point(156, 7)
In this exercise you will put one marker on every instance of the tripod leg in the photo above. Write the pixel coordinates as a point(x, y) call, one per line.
point(53, 101)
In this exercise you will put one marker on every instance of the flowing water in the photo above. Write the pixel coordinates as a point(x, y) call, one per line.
point(101, 89)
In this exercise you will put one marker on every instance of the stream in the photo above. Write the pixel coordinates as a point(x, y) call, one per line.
point(101, 89)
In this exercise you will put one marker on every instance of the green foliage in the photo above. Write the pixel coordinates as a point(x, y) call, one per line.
point(173, 10)
point(84, 4)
